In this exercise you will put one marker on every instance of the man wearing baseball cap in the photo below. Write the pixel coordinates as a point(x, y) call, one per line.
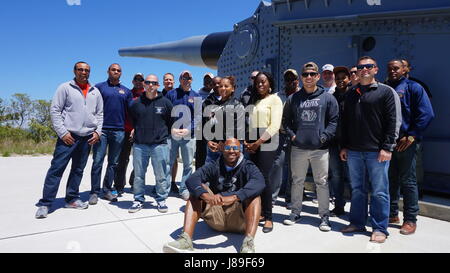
point(182, 136)
point(207, 85)
point(328, 78)
point(124, 158)
point(310, 118)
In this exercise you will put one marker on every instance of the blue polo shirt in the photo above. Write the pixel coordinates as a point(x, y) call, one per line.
point(116, 99)
point(180, 97)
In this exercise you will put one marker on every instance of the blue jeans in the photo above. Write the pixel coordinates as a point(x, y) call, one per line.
point(187, 148)
point(114, 141)
point(159, 154)
point(402, 175)
point(79, 153)
point(337, 177)
point(358, 164)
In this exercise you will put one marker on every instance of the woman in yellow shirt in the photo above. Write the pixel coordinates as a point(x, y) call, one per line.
point(265, 122)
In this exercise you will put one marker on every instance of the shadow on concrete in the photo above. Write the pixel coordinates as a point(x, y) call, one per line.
point(60, 202)
point(203, 231)
point(309, 220)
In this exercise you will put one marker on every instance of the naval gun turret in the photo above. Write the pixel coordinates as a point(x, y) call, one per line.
point(284, 34)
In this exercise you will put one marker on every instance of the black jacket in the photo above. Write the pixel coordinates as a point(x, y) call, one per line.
point(151, 119)
point(340, 98)
point(224, 119)
point(371, 119)
point(246, 180)
point(311, 118)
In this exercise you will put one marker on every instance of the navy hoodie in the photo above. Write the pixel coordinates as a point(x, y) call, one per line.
point(151, 119)
point(248, 182)
point(312, 118)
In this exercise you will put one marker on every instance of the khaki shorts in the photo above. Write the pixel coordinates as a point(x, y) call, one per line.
point(225, 218)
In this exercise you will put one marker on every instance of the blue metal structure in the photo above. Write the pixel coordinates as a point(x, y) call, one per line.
point(285, 34)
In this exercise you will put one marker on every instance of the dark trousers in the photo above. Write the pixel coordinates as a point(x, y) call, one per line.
point(402, 175)
point(124, 158)
point(63, 153)
point(200, 153)
point(264, 161)
point(338, 177)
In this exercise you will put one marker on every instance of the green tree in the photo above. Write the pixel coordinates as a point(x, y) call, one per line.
point(20, 108)
point(2, 112)
point(41, 112)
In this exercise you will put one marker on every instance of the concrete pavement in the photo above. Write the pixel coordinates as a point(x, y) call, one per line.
point(108, 227)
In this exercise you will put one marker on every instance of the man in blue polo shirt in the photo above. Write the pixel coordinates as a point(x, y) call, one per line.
point(183, 99)
point(116, 99)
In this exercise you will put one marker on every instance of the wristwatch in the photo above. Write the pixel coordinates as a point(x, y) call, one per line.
point(323, 139)
point(411, 138)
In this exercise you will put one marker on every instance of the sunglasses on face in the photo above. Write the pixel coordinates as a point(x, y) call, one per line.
point(139, 79)
point(312, 74)
point(115, 69)
point(186, 78)
point(151, 82)
point(367, 66)
point(229, 147)
point(352, 72)
point(83, 70)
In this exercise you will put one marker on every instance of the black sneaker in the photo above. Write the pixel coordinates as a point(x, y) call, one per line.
point(337, 212)
point(174, 188)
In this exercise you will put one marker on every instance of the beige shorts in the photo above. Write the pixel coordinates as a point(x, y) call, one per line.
point(225, 218)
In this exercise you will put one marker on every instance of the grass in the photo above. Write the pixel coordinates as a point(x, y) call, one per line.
point(11, 147)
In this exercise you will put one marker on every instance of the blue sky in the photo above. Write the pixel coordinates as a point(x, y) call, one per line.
point(42, 39)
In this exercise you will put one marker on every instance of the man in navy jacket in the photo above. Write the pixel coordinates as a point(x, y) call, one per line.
point(187, 106)
point(417, 114)
point(225, 193)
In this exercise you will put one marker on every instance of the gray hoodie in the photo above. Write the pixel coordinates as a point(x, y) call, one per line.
point(72, 112)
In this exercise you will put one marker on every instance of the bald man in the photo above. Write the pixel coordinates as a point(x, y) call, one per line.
point(225, 193)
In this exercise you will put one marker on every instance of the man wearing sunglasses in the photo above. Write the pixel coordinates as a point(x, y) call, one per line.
point(225, 194)
point(116, 99)
point(354, 79)
point(185, 101)
point(151, 115)
point(310, 118)
point(77, 117)
point(370, 125)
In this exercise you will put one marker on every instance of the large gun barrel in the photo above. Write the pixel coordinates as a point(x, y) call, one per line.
point(202, 50)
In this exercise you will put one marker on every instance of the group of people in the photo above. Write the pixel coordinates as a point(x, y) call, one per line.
point(352, 128)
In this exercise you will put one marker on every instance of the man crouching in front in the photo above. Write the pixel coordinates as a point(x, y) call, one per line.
point(225, 194)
